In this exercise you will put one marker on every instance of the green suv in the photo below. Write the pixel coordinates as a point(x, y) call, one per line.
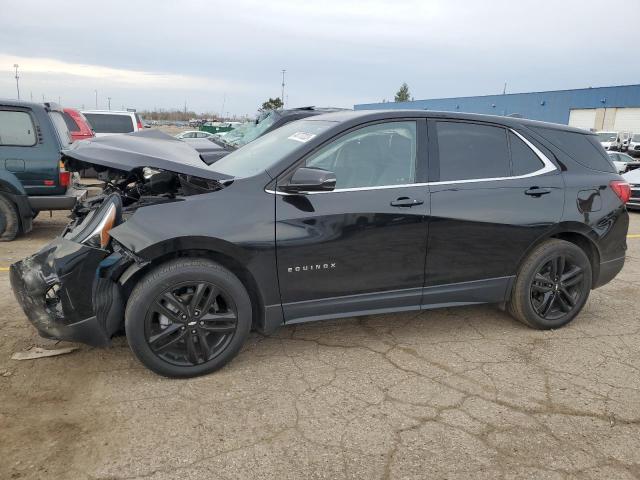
point(32, 178)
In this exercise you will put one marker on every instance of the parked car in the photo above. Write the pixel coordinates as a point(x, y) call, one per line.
point(344, 214)
point(623, 162)
point(634, 145)
point(78, 125)
point(624, 137)
point(633, 178)
point(31, 176)
point(111, 122)
point(193, 134)
point(609, 140)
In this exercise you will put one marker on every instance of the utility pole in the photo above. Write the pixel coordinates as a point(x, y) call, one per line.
point(504, 90)
point(31, 96)
point(59, 100)
point(109, 102)
point(15, 65)
point(282, 96)
point(96, 91)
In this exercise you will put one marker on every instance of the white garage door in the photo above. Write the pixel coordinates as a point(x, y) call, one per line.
point(627, 120)
point(583, 118)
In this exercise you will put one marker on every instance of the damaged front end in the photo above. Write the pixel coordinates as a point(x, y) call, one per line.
point(71, 289)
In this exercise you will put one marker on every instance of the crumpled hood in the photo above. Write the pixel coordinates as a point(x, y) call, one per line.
point(150, 148)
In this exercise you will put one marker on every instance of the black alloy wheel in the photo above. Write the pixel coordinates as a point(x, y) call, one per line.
point(552, 285)
point(187, 317)
point(556, 288)
point(190, 323)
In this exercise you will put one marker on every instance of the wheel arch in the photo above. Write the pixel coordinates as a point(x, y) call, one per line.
point(576, 233)
point(228, 255)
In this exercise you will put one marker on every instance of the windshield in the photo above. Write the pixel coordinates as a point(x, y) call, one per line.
point(607, 136)
point(255, 132)
point(269, 149)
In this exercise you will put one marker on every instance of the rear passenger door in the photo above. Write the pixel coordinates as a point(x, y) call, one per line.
point(493, 193)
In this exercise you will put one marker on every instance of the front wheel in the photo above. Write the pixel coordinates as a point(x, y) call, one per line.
point(187, 317)
point(552, 286)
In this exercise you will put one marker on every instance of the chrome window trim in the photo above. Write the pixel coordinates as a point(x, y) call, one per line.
point(548, 166)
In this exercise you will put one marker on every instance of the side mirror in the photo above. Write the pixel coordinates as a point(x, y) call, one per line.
point(307, 179)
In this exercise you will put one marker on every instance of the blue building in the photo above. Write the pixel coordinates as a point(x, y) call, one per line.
point(603, 108)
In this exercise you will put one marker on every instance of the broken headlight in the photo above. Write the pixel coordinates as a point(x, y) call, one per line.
point(94, 229)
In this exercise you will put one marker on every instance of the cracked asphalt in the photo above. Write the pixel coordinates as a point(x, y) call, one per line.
point(463, 393)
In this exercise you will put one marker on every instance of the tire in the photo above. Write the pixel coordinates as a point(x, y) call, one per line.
point(541, 301)
point(9, 220)
point(187, 317)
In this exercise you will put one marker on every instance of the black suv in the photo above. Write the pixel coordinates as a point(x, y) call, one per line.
point(31, 177)
point(343, 214)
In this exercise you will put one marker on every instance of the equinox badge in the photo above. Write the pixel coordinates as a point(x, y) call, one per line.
point(316, 266)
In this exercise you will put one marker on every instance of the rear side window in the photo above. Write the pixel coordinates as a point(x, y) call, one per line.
point(110, 123)
point(61, 128)
point(584, 149)
point(523, 159)
point(16, 129)
point(71, 123)
point(471, 151)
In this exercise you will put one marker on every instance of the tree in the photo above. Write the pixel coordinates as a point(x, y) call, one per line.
point(403, 94)
point(272, 104)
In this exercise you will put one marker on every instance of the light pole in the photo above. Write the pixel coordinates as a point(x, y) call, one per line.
point(96, 98)
point(109, 102)
point(282, 97)
point(15, 65)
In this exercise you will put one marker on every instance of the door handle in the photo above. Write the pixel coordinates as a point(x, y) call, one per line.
point(537, 191)
point(406, 202)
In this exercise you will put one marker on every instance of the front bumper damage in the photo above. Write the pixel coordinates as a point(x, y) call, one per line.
point(69, 291)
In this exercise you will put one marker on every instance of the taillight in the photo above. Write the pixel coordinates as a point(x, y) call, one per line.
point(64, 177)
point(621, 189)
point(140, 127)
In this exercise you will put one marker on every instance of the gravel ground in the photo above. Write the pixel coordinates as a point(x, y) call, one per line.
point(462, 393)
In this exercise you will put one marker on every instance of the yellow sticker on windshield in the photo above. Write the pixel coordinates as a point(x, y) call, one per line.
point(301, 137)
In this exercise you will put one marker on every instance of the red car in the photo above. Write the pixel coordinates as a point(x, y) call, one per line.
point(78, 125)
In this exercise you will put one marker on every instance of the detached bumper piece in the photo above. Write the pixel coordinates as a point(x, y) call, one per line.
point(55, 289)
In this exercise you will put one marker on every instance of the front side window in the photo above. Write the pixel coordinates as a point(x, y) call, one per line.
point(110, 123)
point(377, 155)
point(470, 151)
point(16, 129)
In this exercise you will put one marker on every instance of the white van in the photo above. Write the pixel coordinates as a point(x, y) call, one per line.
point(111, 122)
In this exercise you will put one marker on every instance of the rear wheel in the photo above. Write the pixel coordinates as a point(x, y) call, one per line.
point(188, 317)
point(552, 286)
point(9, 220)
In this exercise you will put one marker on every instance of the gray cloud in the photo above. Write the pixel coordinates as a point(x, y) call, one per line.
point(335, 52)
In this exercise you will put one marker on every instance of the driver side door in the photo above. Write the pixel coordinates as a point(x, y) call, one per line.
point(360, 248)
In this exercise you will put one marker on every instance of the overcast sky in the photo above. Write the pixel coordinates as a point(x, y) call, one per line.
point(156, 53)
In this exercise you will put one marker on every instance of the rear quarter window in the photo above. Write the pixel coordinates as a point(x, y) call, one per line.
point(107, 123)
point(583, 148)
point(71, 123)
point(16, 129)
